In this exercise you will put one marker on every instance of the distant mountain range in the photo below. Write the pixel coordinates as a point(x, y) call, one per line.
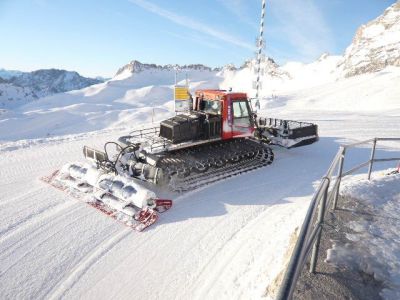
point(135, 66)
point(7, 74)
point(375, 46)
point(20, 87)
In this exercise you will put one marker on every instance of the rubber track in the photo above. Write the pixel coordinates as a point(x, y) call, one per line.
point(263, 156)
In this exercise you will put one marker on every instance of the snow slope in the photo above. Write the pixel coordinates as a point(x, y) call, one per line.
point(127, 100)
point(12, 96)
point(225, 241)
point(142, 93)
point(130, 99)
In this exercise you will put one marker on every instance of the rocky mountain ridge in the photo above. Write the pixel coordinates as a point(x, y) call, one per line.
point(21, 87)
point(7, 74)
point(375, 45)
point(136, 67)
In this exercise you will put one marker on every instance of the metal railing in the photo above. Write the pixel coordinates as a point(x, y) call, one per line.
point(310, 233)
point(152, 136)
point(145, 132)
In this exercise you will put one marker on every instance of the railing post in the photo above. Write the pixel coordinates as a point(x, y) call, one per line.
point(321, 214)
point(339, 177)
point(371, 161)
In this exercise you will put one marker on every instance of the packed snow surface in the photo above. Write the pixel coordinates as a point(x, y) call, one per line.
point(374, 245)
point(224, 241)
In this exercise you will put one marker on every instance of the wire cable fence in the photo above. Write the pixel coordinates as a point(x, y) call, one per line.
point(327, 194)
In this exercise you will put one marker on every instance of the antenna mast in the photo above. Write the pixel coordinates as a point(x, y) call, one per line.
point(260, 43)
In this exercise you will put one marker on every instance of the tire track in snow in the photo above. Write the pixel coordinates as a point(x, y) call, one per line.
point(219, 265)
point(14, 174)
point(32, 191)
point(33, 220)
point(10, 250)
point(11, 146)
point(32, 209)
point(205, 238)
point(180, 256)
point(26, 168)
point(126, 257)
point(85, 264)
point(212, 261)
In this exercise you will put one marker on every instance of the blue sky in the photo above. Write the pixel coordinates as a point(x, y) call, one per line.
point(96, 37)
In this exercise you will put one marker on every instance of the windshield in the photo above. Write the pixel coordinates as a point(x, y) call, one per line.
point(241, 113)
point(213, 107)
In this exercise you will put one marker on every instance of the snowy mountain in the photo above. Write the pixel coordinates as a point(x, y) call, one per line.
point(141, 92)
point(52, 81)
point(375, 45)
point(12, 95)
point(137, 75)
point(7, 74)
point(125, 100)
point(325, 69)
point(291, 76)
point(136, 67)
point(228, 240)
point(17, 88)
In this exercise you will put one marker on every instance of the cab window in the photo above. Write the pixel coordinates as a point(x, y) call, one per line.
point(241, 113)
point(210, 106)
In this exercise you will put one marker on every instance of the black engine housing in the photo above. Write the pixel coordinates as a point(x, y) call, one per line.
point(191, 126)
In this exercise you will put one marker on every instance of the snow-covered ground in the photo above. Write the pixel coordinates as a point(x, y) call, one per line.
point(219, 241)
point(224, 241)
point(373, 246)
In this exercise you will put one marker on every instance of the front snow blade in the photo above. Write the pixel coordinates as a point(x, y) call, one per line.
point(289, 143)
point(287, 133)
point(128, 214)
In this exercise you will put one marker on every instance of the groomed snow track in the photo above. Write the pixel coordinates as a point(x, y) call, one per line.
point(53, 246)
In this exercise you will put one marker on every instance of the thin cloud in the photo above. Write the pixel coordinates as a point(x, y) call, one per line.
point(303, 24)
point(41, 3)
point(193, 38)
point(240, 9)
point(191, 24)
